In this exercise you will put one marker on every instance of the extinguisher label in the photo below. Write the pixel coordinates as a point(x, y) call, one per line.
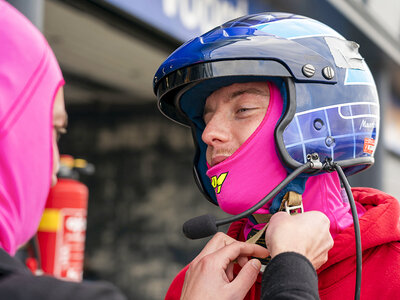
point(71, 244)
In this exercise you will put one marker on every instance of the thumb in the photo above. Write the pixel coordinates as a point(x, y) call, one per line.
point(246, 278)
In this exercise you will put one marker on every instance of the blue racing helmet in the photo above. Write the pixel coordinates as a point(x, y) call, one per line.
point(331, 104)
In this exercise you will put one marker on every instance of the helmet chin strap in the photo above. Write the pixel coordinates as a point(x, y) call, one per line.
point(292, 203)
point(296, 186)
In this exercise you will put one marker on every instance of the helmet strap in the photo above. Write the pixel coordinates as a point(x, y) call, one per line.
point(297, 185)
point(292, 203)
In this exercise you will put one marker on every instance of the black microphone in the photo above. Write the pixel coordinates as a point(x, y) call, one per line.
point(200, 227)
point(206, 225)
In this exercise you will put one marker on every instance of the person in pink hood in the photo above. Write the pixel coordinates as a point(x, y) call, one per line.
point(274, 96)
point(32, 116)
point(30, 85)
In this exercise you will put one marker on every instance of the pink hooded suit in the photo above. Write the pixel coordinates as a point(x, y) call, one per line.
point(29, 79)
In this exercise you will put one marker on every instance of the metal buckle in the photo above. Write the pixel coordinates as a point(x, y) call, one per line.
point(292, 210)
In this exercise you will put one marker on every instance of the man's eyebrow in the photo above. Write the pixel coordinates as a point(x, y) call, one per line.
point(249, 91)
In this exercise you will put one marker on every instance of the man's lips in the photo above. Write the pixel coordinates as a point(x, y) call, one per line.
point(217, 159)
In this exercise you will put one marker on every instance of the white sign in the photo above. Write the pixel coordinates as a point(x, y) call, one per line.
point(205, 14)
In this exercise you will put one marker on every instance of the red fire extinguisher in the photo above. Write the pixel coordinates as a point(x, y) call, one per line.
point(62, 230)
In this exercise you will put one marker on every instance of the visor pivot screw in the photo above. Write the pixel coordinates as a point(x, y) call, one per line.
point(308, 70)
point(328, 73)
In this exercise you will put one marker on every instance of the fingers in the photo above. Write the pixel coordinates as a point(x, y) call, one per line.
point(218, 241)
point(278, 216)
point(212, 273)
point(246, 278)
point(307, 234)
point(326, 243)
point(223, 258)
point(238, 251)
point(229, 271)
point(225, 249)
point(242, 260)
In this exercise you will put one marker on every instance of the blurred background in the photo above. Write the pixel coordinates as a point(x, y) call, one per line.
point(142, 189)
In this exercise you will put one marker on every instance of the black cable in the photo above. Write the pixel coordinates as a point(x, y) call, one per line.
point(356, 229)
point(271, 195)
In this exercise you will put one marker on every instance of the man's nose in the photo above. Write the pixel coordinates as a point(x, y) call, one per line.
point(216, 130)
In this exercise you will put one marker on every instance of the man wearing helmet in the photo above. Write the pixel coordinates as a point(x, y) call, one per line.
point(265, 93)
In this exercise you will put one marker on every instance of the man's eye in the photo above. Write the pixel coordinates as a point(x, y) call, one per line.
point(244, 109)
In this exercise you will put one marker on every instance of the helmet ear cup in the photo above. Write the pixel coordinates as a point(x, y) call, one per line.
point(341, 130)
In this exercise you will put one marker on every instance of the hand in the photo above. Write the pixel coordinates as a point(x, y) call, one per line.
point(306, 233)
point(210, 275)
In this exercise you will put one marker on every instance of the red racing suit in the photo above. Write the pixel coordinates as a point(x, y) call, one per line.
point(380, 238)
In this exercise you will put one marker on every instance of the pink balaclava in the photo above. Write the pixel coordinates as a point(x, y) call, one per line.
point(249, 174)
point(29, 79)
